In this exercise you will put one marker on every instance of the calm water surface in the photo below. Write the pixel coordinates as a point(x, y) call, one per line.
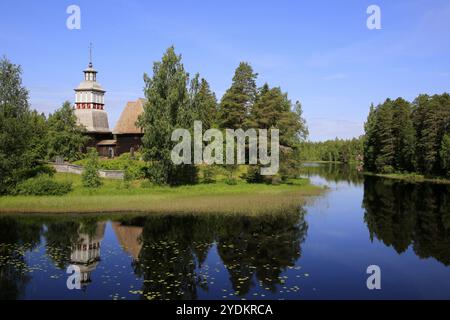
point(320, 251)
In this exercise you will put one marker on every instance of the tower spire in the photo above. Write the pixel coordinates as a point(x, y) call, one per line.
point(90, 54)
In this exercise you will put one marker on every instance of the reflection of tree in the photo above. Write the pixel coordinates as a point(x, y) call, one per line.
point(333, 172)
point(401, 214)
point(263, 246)
point(60, 236)
point(16, 236)
point(173, 247)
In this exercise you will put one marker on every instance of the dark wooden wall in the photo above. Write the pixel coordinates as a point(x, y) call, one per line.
point(127, 141)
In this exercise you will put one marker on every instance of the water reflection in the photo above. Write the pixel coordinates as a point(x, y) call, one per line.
point(333, 172)
point(16, 237)
point(404, 214)
point(286, 255)
point(169, 252)
point(252, 249)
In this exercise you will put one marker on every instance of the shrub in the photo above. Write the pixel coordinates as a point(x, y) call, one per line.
point(90, 176)
point(387, 169)
point(43, 185)
point(147, 184)
point(136, 167)
point(253, 175)
point(209, 174)
point(231, 180)
point(128, 177)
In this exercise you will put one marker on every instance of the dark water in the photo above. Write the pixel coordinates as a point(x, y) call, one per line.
point(320, 251)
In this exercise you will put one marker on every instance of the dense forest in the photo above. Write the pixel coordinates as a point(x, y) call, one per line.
point(409, 137)
point(176, 101)
point(337, 150)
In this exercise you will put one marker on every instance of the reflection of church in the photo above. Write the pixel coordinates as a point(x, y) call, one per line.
point(86, 252)
point(90, 112)
point(129, 238)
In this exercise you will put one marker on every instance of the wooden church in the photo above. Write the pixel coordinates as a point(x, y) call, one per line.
point(90, 112)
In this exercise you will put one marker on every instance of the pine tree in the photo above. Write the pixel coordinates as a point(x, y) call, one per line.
point(203, 102)
point(274, 110)
point(237, 101)
point(445, 155)
point(432, 118)
point(404, 135)
point(370, 140)
point(385, 146)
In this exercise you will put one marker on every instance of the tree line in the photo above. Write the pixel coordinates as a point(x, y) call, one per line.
point(337, 150)
point(176, 101)
point(401, 136)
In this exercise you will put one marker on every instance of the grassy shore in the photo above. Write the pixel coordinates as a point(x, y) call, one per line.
point(219, 197)
point(409, 177)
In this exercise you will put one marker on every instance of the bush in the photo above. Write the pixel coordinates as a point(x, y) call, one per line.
point(43, 185)
point(136, 167)
point(128, 177)
point(387, 169)
point(253, 175)
point(90, 176)
point(209, 174)
point(231, 181)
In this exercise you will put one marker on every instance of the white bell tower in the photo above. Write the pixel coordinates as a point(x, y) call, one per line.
point(90, 101)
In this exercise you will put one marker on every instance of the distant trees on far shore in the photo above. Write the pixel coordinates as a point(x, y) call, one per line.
point(337, 150)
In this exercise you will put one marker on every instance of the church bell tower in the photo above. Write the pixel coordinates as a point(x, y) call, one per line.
point(90, 103)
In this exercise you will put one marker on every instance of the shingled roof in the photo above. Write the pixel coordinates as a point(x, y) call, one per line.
point(128, 118)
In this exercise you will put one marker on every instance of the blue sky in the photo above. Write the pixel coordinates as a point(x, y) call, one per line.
point(320, 52)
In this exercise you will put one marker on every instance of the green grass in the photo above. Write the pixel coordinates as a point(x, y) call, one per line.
point(201, 198)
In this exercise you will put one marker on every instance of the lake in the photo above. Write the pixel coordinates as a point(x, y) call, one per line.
point(320, 251)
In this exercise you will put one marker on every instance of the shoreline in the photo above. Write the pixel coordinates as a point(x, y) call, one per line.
point(411, 178)
point(218, 198)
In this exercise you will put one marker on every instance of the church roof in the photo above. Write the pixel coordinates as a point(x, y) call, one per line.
point(89, 86)
point(129, 117)
point(93, 120)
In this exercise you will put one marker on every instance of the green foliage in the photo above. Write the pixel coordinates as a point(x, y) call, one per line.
point(404, 137)
point(43, 185)
point(90, 176)
point(128, 176)
point(167, 108)
point(16, 128)
point(387, 169)
point(209, 174)
point(238, 99)
point(338, 150)
point(202, 103)
point(65, 138)
point(445, 154)
point(431, 122)
point(136, 168)
point(253, 175)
